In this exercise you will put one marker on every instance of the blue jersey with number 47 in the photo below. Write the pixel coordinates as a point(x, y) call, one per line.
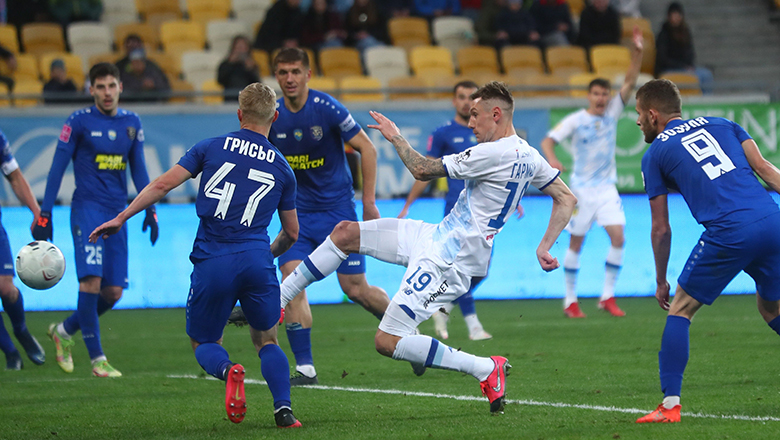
point(704, 160)
point(244, 181)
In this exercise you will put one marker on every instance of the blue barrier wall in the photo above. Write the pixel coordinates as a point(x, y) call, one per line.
point(159, 275)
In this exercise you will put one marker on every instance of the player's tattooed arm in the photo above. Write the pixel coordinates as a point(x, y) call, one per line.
point(421, 167)
point(289, 233)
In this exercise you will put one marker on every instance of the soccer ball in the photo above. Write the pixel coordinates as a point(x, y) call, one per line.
point(40, 265)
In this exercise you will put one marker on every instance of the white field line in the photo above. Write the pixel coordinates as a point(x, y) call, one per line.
point(509, 401)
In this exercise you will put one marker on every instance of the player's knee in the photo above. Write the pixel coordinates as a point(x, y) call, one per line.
point(90, 284)
point(384, 344)
point(344, 234)
point(111, 294)
point(8, 290)
point(355, 291)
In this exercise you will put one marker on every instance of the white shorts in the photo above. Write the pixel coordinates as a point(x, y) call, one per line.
point(601, 204)
point(427, 284)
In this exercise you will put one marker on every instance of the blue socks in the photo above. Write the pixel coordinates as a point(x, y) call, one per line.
point(16, 313)
point(276, 372)
point(466, 303)
point(673, 356)
point(214, 359)
point(71, 324)
point(88, 319)
point(775, 325)
point(300, 343)
point(6, 344)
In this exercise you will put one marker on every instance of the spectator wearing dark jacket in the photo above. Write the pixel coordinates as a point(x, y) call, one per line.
point(322, 27)
point(141, 82)
point(674, 48)
point(599, 24)
point(553, 22)
point(365, 25)
point(239, 68)
point(281, 27)
point(515, 25)
point(10, 61)
point(58, 84)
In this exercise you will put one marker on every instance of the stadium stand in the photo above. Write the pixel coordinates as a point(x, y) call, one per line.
point(73, 66)
point(26, 68)
point(8, 38)
point(648, 54)
point(251, 12)
point(340, 62)
point(5, 98)
point(27, 87)
point(687, 83)
point(149, 8)
point(263, 62)
point(609, 60)
point(453, 32)
point(220, 33)
point(147, 32)
point(199, 66)
point(409, 32)
point(180, 36)
point(106, 57)
point(431, 61)
point(576, 7)
point(477, 60)
point(39, 38)
point(361, 89)
point(579, 84)
point(170, 64)
point(118, 11)
point(407, 87)
point(204, 11)
point(540, 86)
point(522, 60)
point(179, 86)
point(386, 63)
point(321, 83)
point(212, 86)
point(312, 60)
point(566, 60)
point(87, 39)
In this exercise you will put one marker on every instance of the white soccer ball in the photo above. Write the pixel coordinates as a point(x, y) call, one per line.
point(40, 265)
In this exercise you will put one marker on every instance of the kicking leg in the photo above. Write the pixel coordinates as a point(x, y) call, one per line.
point(372, 298)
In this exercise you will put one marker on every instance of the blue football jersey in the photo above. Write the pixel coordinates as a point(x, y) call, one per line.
point(244, 181)
point(703, 159)
point(451, 138)
point(101, 148)
point(312, 141)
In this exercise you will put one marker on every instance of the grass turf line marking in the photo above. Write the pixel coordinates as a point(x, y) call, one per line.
point(509, 401)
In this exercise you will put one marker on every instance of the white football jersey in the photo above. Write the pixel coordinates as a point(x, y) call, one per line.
point(593, 144)
point(497, 174)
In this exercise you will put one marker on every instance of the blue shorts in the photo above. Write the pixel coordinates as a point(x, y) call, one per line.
point(6, 257)
point(720, 256)
point(315, 226)
point(217, 283)
point(106, 258)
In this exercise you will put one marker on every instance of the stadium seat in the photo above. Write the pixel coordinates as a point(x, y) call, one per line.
point(648, 55)
point(576, 7)
point(688, 83)
point(107, 57)
point(8, 38)
point(409, 32)
point(204, 11)
point(607, 59)
point(309, 52)
point(385, 63)
point(339, 62)
point(263, 62)
point(148, 33)
point(251, 12)
point(579, 84)
point(5, 98)
point(179, 86)
point(147, 8)
point(617, 80)
point(522, 60)
point(181, 36)
point(118, 11)
point(27, 87)
point(39, 38)
point(323, 84)
point(170, 64)
point(566, 60)
point(441, 85)
point(156, 20)
point(453, 32)
point(87, 39)
point(477, 60)
point(550, 86)
point(357, 88)
point(26, 68)
point(200, 66)
point(407, 87)
point(73, 67)
point(431, 59)
point(213, 86)
point(220, 33)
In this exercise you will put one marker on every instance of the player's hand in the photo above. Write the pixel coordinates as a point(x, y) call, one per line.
point(384, 125)
point(150, 221)
point(370, 211)
point(520, 211)
point(555, 163)
point(404, 212)
point(639, 40)
point(662, 294)
point(110, 227)
point(42, 228)
point(547, 261)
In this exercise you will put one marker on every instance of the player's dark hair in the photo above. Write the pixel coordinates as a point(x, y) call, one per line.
point(291, 55)
point(466, 84)
point(100, 70)
point(600, 82)
point(495, 90)
point(661, 95)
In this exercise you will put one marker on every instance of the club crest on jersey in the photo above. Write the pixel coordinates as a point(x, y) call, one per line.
point(131, 133)
point(316, 132)
point(112, 135)
point(463, 156)
point(298, 133)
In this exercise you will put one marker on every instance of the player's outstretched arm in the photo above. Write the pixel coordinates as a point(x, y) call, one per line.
point(363, 145)
point(289, 233)
point(764, 168)
point(563, 206)
point(150, 195)
point(548, 148)
point(661, 236)
point(421, 167)
point(636, 64)
point(24, 193)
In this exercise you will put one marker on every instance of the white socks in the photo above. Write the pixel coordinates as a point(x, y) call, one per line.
point(424, 350)
point(671, 401)
point(62, 332)
point(614, 263)
point(306, 370)
point(571, 265)
point(473, 324)
point(321, 263)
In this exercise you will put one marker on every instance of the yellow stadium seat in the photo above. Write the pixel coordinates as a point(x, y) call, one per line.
point(440, 85)
point(108, 57)
point(324, 84)
point(339, 62)
point(251, 11)
point(579, 84)
point(150, 7)
point(648, 55)
point(170, 64)
point(475, 60)
point(609, 58)
point(431, 58)
point(73, 67)
point(409, 32)
point(148, 33)
point(26, 68)
point(522, 60)
point(199, 66)
point(27, 87)
point(212, 86)
point(566, 60)
point(206, 10)
point(541, 86)
point(179, 88)
point(628, 23)
point(687, 83)
point(361, 89)
point(5, 99)
point(39, 38)
point(576, 7)
point(263, 62)
point(181, 36)
point(407, 87)
point(118, 11)
point(309, 52)
point(8, 38)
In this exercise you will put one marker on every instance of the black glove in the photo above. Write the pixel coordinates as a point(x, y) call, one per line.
point(150, 221)
point(43, 229)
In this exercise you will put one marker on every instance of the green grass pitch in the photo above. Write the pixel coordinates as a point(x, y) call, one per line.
point(571, 379)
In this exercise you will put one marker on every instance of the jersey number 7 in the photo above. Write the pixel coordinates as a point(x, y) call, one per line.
point(225, 194)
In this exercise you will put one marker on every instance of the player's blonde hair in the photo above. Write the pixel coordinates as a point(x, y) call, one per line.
point(257, 103)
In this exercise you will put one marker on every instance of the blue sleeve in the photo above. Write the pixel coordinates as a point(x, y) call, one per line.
point(742, 135)
point(66, 147)
point(287, 202)
point(136, 159)
point(436, 144)
point(339, 116)
point(192, 160)
point(652, 176)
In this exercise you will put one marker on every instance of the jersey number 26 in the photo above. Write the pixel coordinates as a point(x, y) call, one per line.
point(225, 194)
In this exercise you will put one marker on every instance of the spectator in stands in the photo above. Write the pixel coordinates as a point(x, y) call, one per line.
point(553, 22)
point(10, 61)
point(599, 24)
point(628, 8)
point(322, 27)
point(485, 25)
point(281, 27)
point(142, 83)
point(365, 25)
point(239, 69)
point(69, 11)
point(471, 9)
point(515, 25)
point(397, 8)
point(132, 43)
point(674, 48)
point(58, 84)
point(431, 9)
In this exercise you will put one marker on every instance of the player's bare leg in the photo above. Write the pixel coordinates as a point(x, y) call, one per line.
point(13, 304)
point(571, 267)
point(298, 322)
point(770, 311)
point(372, 298)
point(612, 269)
